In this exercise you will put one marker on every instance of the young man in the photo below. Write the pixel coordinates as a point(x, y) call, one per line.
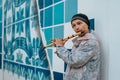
point(83, 61)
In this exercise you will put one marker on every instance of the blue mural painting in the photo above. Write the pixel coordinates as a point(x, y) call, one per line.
point(0, 34)
point(24, 56)
point(28, 26)
point(53, 14)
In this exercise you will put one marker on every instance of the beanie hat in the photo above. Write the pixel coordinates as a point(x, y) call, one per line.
point(82, 17)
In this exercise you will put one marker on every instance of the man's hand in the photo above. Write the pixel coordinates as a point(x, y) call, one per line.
point(59, 42)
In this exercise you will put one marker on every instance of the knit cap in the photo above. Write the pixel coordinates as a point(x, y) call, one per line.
point(82, 17)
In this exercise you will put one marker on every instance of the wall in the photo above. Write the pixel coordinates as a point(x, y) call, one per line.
point(24, 56)
point(23, 44)
point(1, 38)
point(103, 14)
point(54, 17)
point(114, 44)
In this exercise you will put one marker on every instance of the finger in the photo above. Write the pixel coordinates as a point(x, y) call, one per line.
point(65, 40)
point(54, 44)
point(60, 39)
point(53, 40)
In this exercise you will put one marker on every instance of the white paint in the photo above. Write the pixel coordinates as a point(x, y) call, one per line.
point(67, 32)
point(58, 64)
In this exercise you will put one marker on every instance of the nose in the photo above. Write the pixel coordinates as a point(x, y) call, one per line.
point(76, 27)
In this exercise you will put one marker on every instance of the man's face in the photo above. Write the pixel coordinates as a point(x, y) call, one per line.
point(80, 26)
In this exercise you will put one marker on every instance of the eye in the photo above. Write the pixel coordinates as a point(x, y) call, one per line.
point(73, 25)
point(78, 23)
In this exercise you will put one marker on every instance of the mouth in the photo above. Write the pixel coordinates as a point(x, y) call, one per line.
point(82, 34)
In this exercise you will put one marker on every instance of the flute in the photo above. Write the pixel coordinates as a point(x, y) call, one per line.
point(69, 37)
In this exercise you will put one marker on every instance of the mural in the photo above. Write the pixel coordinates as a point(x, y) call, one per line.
point(24, 56)
point(53, 16)
point(28, 26)
point(54, 20)
point(0, 34)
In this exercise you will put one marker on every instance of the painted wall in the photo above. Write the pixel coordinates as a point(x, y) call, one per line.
point(24, 56)
point(21, 27)
point(1, 38)
point(54, 17)
point(35, 23)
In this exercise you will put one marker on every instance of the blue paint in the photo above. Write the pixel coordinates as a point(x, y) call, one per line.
point(71, 7)
point(48, 3)
point(0, 29)
point(58, 32)
point(58, 76)
point(92, 24)
point(59, 13)
point(48, 17)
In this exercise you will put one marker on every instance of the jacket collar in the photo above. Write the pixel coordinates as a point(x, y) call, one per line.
point(87, 36)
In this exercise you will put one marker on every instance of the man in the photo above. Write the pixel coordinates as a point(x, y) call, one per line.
point(83, 61)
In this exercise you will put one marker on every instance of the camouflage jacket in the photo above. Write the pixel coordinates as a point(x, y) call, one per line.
point(83, 61)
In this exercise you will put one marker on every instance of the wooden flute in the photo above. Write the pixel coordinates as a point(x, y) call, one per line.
point(69, 37)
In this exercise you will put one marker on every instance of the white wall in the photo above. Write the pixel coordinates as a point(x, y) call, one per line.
point(114, 42)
